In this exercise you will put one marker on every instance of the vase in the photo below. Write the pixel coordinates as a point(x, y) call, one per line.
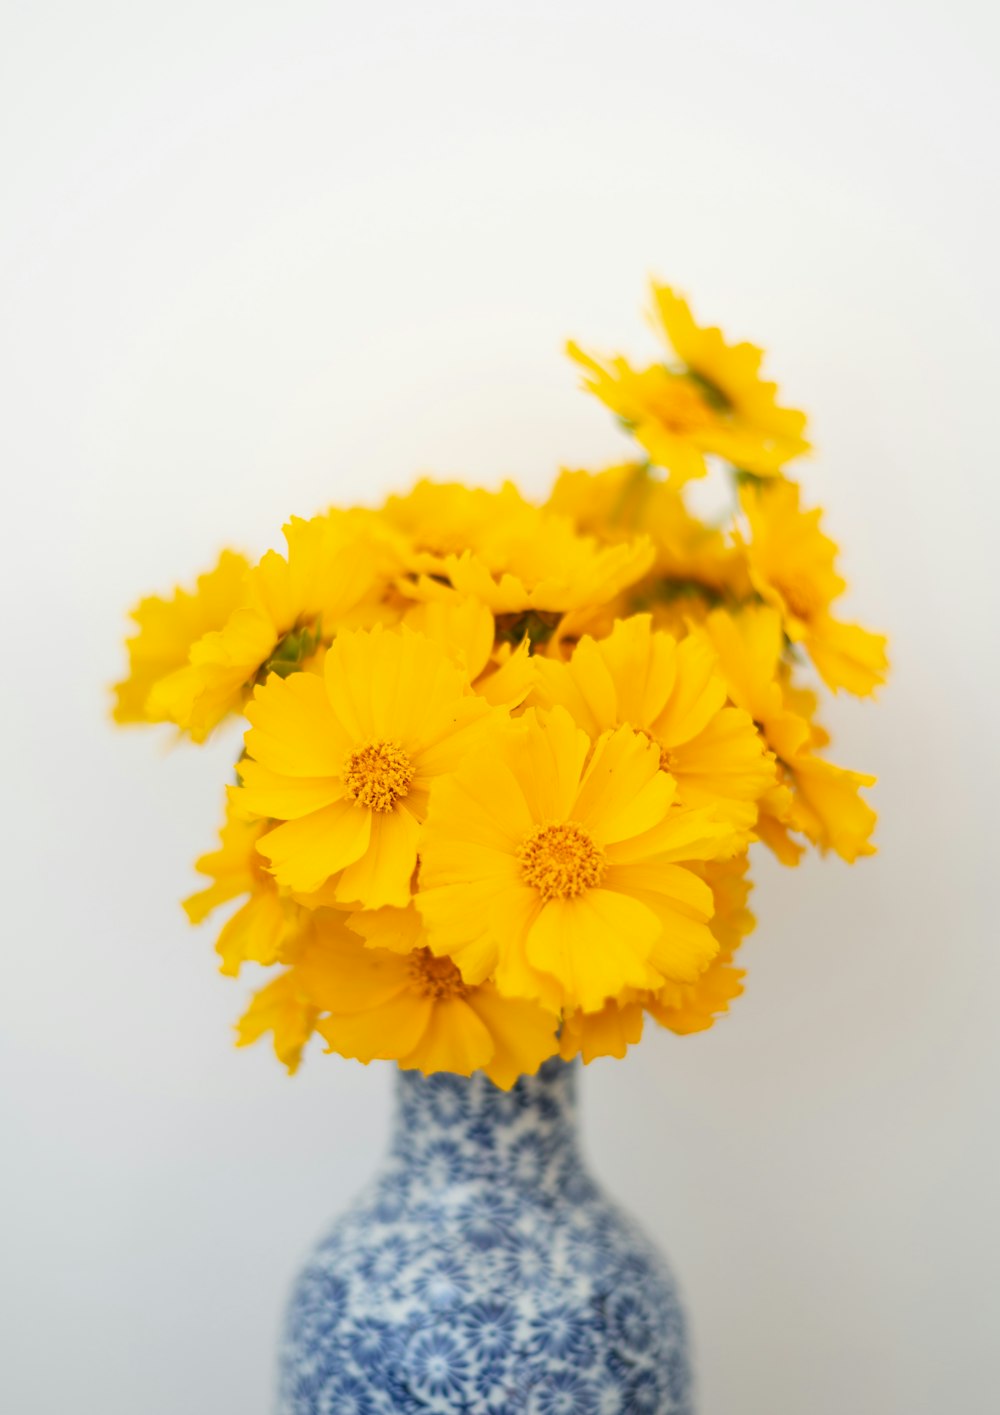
point(485, 1272)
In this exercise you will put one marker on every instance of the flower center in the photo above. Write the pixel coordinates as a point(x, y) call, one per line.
point(799, 594)
point(681, 408)
point(668, 759)
point(561, 861)
point(435, 977)
point(377, 775)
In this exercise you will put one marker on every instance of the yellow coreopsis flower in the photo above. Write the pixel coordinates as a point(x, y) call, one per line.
point(825, 804)
point(672, 693)
point(436, 519)
point(792, 565)
point(729, 375)
point(346, 759)
point(291, 602)
point(416, 1009)
point(168, 628)
point(667, 413)
point(555, 867)
point(550, 571)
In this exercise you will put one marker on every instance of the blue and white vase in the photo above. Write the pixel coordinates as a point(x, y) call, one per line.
point(485, 1273)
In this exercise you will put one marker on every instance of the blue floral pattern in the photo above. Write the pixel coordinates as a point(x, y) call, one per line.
point(485, 1273)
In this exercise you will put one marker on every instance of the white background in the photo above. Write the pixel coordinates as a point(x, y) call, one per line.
point(254, 259)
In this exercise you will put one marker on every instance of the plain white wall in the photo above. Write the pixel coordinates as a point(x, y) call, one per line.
point(259, 258)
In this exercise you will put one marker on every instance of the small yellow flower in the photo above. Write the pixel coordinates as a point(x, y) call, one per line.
point(730, 376)
point(168, 628)
point(672, 693)
point(792, 565)
point(437, 519)
point(550, 571)
point(415, 1008)
point(556, 869)
point(346, 761)
point(325, 582)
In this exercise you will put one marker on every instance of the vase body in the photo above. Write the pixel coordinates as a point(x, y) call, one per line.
point(484, 1272)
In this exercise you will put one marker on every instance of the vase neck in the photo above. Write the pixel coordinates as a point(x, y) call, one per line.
point(520, 1136)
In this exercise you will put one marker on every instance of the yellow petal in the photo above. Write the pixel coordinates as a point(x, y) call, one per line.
point(594, 945)
point(266, 793)
point(847, 656)
point(523, 1034)
point(253, 934)
point(294, 730)
point(623, 793)
point(305, 853)
point(381, 875)
point(455, 1039)
point(384, 1033)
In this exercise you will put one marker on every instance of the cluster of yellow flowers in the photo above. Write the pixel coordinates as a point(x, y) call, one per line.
point(504, 761)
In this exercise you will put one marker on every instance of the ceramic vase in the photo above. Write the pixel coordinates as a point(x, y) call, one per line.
point(485, 1272)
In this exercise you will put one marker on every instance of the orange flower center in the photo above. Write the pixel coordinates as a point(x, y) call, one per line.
point(681, 408)
point(435, 977)
point(561, 861)
point(377, 775)
point(799, 593)
point(668, 759)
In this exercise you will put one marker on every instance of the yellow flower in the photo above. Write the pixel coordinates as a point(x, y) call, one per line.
point(346, 760)
point(672, 693)
point(824, 804)
point(625, 501)
point(256, 931)
point(555, 868)
point(168, 628)
point(332, 568)
point(436, 519)
point(729, 375)
point(550, 571)
point(414, 1008)
point(792, 566)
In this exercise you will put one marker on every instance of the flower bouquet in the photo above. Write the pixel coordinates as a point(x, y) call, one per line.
point(503, 768)
point(505, 762)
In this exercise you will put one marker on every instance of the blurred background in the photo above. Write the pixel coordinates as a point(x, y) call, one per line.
point(258, 258)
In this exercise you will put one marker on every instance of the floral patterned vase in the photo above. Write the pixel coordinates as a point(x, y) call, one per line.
point(485, 1273)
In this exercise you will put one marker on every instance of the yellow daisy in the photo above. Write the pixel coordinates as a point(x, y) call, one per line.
point(415, 1009)
point(436, 519)
point(672, 693)
point(556, 868)
point(346, 759)
point(667, 414)
point(792, 566)
point(333, 568)
point(729, 375)
point(168, 628)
